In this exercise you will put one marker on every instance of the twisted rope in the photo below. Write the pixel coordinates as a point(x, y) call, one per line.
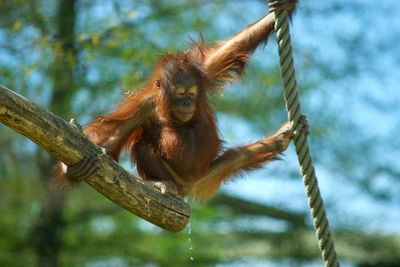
point(325, 241)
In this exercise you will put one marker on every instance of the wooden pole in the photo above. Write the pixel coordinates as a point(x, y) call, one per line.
point(68, 144)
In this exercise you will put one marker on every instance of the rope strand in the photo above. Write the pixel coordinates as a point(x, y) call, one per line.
point(321, 224)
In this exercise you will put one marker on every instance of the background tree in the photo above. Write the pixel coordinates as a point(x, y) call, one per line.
point(46, 234)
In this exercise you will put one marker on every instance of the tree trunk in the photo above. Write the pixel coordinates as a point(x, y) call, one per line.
point(50, 225)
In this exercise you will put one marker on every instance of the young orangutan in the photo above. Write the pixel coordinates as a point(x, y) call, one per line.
point(169, 126)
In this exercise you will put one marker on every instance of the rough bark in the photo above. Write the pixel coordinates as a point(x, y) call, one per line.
point(68, 144)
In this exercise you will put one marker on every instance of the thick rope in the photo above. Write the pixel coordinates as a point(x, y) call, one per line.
point(326, 245)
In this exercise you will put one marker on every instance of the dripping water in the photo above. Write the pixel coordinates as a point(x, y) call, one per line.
point(190, 241)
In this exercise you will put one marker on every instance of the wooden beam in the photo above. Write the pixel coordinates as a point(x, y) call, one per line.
point(68, 144)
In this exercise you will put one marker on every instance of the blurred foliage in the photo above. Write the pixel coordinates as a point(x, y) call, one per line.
point(113, 47)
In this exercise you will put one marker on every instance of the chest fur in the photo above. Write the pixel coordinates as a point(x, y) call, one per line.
point(189, 150)
point(181, 143)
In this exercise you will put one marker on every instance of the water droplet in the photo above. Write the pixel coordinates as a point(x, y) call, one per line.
point(191, 248)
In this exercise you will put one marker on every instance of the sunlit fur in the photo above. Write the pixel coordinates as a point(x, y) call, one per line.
point(188, 153)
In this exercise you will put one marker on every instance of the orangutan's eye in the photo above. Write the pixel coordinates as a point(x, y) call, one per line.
point(193, 90)
point(180, 91)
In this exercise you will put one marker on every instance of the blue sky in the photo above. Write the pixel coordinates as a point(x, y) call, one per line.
point(368, 98)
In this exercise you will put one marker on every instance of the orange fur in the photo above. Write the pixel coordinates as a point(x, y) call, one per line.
point(188, 153)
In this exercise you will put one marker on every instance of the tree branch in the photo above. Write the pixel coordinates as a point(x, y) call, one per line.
point(69, 145)
point(242, 206)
